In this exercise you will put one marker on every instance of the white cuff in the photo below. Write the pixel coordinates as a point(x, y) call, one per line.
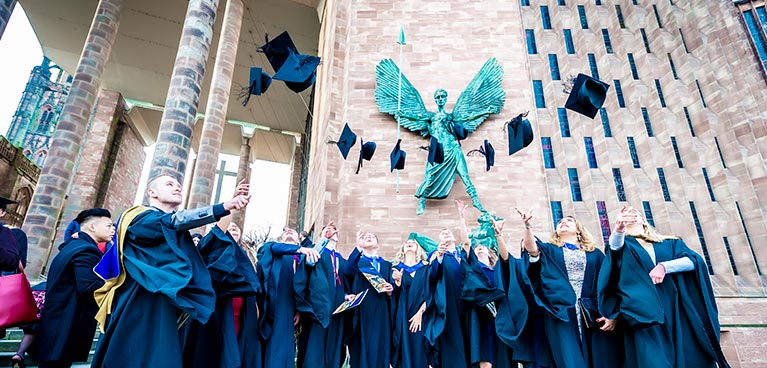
point(616, 240)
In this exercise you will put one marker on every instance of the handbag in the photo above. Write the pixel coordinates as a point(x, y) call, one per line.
point(18, 306)
point(589, 313)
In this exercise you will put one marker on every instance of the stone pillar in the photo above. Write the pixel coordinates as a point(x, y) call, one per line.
point(175, 135)
point(93, 159)
point(243, 172)
point(48, 200)
point(6, 9)
point(218, 101)
point(296, 169)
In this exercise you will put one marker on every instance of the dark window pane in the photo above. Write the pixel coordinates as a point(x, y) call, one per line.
point(663, 185)
point(676, 153)
point(606, 39)
point(582, 15)
point(701, 238)
point(540, 101)
point(660, 93)
point(575, 186)
point(593, 65)
point(591, 156)
point(564, 123)
point(619, 13)
point(648, 213)
point(605, 122)
point(633, 152)
point(633, 67)
point(619, 93)
point(645, 41)
point(545, 18)
point(556, 212)
point(569, 41)
point(618, 179)
point(604, 221)
point(530, 36)
point(554, 66)
point(548, 153)
point(708, 185)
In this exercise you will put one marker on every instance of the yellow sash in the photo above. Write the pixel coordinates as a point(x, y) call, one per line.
point(105, 295)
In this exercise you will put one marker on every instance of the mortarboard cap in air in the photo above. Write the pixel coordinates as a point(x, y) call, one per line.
point(520, 133)
point(397, 157)
point(427, 244)
point(4, 202)
point(587, 95)
point(487, 150)
point(290, 66)
point(258, 83)
point(346, 141)
point(436, 151)
point(366, 152)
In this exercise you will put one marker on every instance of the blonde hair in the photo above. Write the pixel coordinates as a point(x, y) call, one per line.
point(420, 255)
point(492, 255)
point(650, 233)
point(584, 237)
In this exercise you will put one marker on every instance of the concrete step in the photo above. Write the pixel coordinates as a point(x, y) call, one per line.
point(10, 344)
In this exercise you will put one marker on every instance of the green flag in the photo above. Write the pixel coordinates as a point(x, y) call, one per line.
point(401, 40)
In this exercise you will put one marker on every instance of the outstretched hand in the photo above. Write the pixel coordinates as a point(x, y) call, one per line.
point(243, 188)
point(237, 203)
point(526, 217)
point(498, 226)
point(461, 206)
point(626, 217)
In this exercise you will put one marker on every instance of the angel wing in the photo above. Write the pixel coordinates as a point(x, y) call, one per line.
point(412, 112)
point(482, 97)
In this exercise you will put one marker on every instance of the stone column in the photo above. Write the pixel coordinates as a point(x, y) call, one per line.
point(243, 171)
point(175, 135)
point(97, 146)
point(296, 169)
point(48, 200)
point(218, 101)
point(6, 9)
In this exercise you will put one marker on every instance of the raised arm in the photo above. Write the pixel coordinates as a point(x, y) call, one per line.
point(461, 206)
point(528, 241)
point(503, 249)
point(242, 189)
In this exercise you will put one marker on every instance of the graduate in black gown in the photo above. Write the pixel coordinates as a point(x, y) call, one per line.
point(9, 248)
point(370, 340)
point(445, 326)
point(214, 344)
point(563, 273)
point(410, 276)
point(660, 290)
point(277, 262)
point(519, 320)
point(156, 280)
point(66, 328)
point(319, 289)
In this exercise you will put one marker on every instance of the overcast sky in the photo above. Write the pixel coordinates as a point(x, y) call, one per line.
point(20, 51)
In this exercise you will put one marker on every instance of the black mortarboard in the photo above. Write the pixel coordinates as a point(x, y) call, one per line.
point(520, 133)
point(460, 132)
point(346, 141)
point(436, 152)
point(587, 96)
point(258, 83)
point(4, 202)
point(366, 152)
point(487, 150)
point(397, 157)
point(290, 66)
point(92, 212)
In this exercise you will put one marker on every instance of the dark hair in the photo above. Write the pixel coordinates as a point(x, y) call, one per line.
point(86, 215)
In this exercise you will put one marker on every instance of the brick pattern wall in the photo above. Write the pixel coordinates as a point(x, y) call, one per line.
point(92, 161)
point(47, 202)
point(123, 181)
point(355, 37)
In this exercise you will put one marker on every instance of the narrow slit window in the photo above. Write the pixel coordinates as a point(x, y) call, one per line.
point(593, 65)
point(676, 153)
point(660, 93)
point(556, 212)
point(647, 122)
point(554, 66)
point(569, 45)
point(701, 238)
point(633, 152)
point(708, 185)
point(719, 149)
point(648, 213)
point(619, 93)
point(540, 100)
point(673, 68)
point(645, 40)
point(657, 15)
point(548, 152)
point(633, 66)
point(605, 122)
point(689, 121)
point(663, 185)
point(591, 156)
point(604, 221)
point(729, 255)
point(531, 47)
point(606, 39)
point(619, 14)
point(582, 15)
point(618, 179)
point(700, 92)
point(575, 186)
point(564, 123)
point(545, 18)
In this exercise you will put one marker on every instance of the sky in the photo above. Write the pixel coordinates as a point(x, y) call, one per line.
point(20, 51)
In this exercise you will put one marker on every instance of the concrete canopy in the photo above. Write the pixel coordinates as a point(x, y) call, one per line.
point(143, 55)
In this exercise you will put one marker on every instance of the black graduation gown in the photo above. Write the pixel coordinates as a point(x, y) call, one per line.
point(9, 250)
point(479, 289)
point(319, 290)
point(249, 341)
point(553, 292)
point(671, 324)
point(445, 321)
point(519, 322)
point(370, 340)
point(214, 344)
point(276, 268)
point(67, 323)
point(409, 350)
point(165, 277)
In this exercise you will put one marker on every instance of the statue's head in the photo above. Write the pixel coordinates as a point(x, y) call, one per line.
point(440, 97)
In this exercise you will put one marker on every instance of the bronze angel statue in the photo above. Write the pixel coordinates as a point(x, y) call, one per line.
point(482, 97)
